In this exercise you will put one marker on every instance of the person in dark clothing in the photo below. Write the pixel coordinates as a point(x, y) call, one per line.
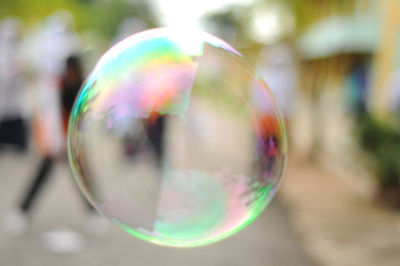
point(69, 85)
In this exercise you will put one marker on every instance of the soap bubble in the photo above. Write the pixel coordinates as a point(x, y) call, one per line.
point(176, 139)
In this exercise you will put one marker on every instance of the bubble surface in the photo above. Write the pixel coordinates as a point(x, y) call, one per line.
point(176, 139)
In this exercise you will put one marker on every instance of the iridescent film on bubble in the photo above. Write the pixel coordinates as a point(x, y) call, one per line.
point(176, 139)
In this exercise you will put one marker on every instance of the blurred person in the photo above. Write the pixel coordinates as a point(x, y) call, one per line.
point(13, 129)
point(277, 66)
point(70, 84)
point(59, 80)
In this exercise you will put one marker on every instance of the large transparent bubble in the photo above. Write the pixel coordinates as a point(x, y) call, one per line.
point(176, 139)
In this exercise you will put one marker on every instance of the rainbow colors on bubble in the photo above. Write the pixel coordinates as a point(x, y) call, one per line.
point(176, 139)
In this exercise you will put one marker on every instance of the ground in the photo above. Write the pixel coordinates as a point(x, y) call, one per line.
point(338, 219)
point(270, 240)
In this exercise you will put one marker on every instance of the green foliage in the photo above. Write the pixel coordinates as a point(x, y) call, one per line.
point(307, 12)
point(382, 141)
point(101, 15)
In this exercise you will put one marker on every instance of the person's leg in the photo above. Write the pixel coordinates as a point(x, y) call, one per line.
point(37, 184)
point(17, 221)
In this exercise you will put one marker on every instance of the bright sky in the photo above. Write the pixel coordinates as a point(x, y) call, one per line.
point(188, 12)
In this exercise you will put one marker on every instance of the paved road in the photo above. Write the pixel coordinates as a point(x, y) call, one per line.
point(268, 241)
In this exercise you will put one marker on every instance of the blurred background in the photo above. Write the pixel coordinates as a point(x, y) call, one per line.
point(334, 67)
